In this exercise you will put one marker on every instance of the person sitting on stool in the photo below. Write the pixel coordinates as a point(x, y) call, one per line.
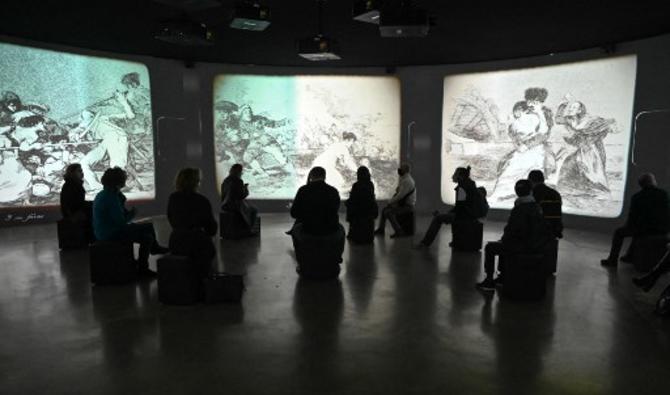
point(233, 194)
point(362, 209)
point(73, 203)
point(193, 225)
point(315, 209)
point(649, 214)
point(550, 201)
point(648, 281)
point(525, 232)
point(403, 201)
point(111, 220)
point(463, 209)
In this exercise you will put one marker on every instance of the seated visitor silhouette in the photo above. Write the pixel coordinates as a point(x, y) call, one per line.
point(549, 200)
point(318, 237)
point(648, 281)
point(73, 204)
point(193, 225)
point(112, 221)
point(648, 215)
point(401, 203)
point(362, 209)
point(470, 206)
point(525, 232)
point(233, 200)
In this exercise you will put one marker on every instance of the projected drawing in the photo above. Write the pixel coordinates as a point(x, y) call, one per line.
point(564, 120)
point(79, 109)
point(280, 127)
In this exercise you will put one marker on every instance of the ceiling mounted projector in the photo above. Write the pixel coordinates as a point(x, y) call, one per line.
point(367, 11)
point(184, 32)
point(250, 15)
point(404, 21)
point(318, 48)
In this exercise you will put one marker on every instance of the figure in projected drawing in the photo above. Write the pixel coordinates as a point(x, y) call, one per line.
point(113, 127)
point(263, 153)
point(338, 161)
point(529, 131)
point(584, 170)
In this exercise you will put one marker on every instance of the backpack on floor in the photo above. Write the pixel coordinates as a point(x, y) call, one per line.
point(663, 303)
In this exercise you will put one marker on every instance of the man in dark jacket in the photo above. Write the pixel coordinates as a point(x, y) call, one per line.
point(550, 201)
point(233, 194)
point(463, 210)
point(525, 232)
point(318, 237)
point(649, 214)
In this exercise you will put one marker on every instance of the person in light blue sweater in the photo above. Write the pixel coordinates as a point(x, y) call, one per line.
point(112, 221)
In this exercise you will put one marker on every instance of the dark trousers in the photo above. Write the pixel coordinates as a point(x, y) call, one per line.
point(492, 249)
point(617, 242)
point(389, 213)
point(145, 236)
point(662, 267)
point(435, 225)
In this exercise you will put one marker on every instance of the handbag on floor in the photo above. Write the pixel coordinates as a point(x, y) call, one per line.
point(223, 287)
point(663, 303)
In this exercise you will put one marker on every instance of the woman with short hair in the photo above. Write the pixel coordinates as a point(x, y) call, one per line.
point(111, 220)
point(193, 225)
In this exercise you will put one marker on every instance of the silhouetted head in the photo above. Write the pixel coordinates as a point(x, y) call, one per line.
point(363, 174)
point(114, 178)
point(482, 191)
point(236, 170)
point(73, 171)
point(405, 168)
point(522, 188)
point(317, 174)
point(647, 180)
point(536, 177)
point(187, 180)
point(461, 174)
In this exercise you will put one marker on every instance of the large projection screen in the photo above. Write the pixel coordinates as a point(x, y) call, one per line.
point(572, 121)
point(59, 108)
point(279, 127)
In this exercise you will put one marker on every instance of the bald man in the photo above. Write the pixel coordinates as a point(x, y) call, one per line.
point(649, 214)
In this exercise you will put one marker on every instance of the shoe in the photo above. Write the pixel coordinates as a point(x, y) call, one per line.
point(147, 273)
point(289, 232)
point(487, 285)
point(626, 259)
point(159, 250)
point(498, 281)
point(643, 283)
point(608, 262)
point(379, 232)
point(420, 246)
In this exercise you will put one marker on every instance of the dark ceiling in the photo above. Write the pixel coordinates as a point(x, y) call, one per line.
point(465, 31)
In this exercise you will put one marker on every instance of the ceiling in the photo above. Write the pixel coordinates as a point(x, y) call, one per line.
point(465, 31)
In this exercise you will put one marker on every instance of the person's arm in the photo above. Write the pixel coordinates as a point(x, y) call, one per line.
point(297, 206)
point(404, 187)
point(118, 215)
point(209, 224)
point(515, 228)
point(172, 212)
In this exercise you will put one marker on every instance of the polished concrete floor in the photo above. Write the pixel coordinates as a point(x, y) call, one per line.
point(398, 321)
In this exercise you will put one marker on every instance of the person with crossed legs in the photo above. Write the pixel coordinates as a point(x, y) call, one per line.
point(402, 202)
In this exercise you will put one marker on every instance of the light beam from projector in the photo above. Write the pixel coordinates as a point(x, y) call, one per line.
point(279, 127)
point(572, 121)
point(58, 108)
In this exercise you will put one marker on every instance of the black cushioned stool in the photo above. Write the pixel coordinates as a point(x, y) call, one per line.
point(524, 276)
point(233, 226)
point(362, 231)
point(467, 235)
point(112, 262)
point(318, 257)
point(648, 250)
point(72, 234)
point(179, 281)
point(407, 222)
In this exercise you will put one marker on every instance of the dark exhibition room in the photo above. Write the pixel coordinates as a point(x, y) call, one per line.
point(334, 197)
